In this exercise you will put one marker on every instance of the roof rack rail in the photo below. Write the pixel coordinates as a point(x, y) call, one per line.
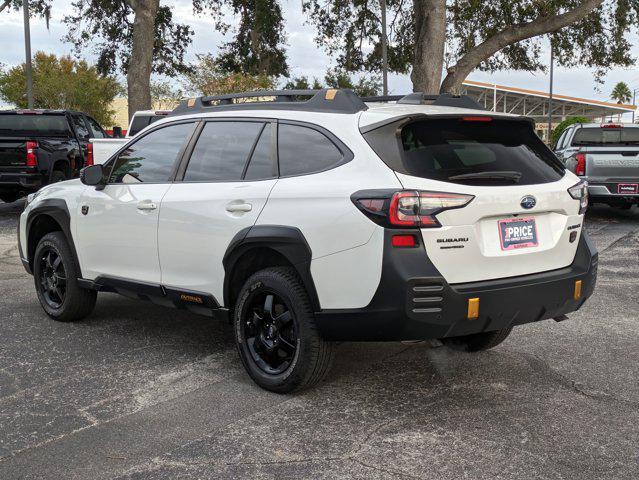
point(331, 100)
point(382, 98)
point(444, 100)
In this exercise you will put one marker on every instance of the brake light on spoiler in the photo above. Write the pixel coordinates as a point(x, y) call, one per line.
point(408, 208)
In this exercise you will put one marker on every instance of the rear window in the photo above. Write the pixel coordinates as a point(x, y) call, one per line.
point(14, 125)
point(606, 136)
point(497, 152)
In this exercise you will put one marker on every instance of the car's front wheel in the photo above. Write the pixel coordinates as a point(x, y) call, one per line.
point(477, 341)
point(276, 335)
point(56, 274)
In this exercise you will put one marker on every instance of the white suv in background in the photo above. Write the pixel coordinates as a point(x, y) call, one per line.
point(318, 217)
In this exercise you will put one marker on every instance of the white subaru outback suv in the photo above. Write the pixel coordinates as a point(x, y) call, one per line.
point(317, 217)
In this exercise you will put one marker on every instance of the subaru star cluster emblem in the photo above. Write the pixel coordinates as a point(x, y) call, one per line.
point(528, 202)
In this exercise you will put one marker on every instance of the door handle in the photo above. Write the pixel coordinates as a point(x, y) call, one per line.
point(147, 205)
point(239, 207)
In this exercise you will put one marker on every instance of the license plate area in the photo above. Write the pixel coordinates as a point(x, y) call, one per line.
point(631, 188)
point(517, 233)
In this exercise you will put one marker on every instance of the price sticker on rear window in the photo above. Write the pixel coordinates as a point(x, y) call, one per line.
point(517, 233)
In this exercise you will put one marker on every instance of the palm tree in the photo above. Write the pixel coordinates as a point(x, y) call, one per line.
point(621, 93)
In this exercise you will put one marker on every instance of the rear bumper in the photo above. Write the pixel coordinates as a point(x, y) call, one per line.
point(20, 181)
point(611, 190)
point(413, 301)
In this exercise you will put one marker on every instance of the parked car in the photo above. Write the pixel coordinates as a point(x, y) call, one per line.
point(606, 155)
point(102, 148)
point(310, 221)
point(39, 147)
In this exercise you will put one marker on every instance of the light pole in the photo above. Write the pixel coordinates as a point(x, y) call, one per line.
point(384, 50)
point(552, 61)
point(634, 96)
point(27, 50)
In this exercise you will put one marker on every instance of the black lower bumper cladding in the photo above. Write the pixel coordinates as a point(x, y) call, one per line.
point(413, 301)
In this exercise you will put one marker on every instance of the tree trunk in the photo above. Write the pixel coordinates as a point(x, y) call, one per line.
point(471, 60)
point(141, 61)
point(430, 39)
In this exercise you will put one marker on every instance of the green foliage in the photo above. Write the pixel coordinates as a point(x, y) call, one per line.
point(302, 83)
point(62, 83)
point(207, 77)
point(559, 129)
point(348, 29)
point(165, 96)
point(106, 27)
point(621, 93)
point(364, 87)
point(258, 46)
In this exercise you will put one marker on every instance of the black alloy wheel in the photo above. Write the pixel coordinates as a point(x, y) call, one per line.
point(269, 332)
point(53, 278)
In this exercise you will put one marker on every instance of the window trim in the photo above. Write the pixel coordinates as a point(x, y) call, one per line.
point(110, 163)
point(347, 154)
point(186, 159)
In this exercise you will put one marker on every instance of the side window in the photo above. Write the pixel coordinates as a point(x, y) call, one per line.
point(303, 150)
point(96, 130)
point(560, 142)
point(263, 163)
point(151, 158)
point(221, 151)
point(81, 129)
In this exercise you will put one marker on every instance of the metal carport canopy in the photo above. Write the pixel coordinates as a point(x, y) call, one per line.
point(533, 103)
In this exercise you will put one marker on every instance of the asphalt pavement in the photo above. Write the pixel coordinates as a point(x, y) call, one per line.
point(137, 391)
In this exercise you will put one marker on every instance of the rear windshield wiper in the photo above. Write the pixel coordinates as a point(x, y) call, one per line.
point(500, 175)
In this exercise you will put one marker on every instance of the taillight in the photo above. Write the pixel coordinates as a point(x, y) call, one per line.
point(408, 208)
point(89, 161)
point(580, 169)
point(32, 159)
point(404, 241)
point(580, 192)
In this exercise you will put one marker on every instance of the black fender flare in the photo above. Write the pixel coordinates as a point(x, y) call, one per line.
point(287, 241)
point(56, 209)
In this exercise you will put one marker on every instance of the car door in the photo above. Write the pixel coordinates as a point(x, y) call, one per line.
point(224, 186)
point(117, 225)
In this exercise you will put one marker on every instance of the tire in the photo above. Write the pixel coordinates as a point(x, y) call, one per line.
point(9, 197)
point(279, 345)
point(54, 262)
point(477, 341)
point(57, 176)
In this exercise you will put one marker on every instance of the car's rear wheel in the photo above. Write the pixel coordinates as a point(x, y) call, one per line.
point(276, 335)
point(57, 176)
point(56, 280)
point(477, 341)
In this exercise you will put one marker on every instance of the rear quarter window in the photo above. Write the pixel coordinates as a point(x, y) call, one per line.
point(445, 148)
point(305, 150)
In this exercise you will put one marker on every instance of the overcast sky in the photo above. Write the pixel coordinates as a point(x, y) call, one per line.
point(303, 56)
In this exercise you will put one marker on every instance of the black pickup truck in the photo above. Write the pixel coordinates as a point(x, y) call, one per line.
point(38, 147)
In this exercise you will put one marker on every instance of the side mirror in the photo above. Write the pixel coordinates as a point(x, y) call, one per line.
point(92, 175)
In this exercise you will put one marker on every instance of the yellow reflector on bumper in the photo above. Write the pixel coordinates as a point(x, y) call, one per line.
point(577, 289)
point(473, 308)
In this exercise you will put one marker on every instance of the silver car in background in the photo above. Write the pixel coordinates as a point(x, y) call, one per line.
point(606, 155)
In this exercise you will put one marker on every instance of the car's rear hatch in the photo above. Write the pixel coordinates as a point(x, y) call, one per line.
point(521, 217)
